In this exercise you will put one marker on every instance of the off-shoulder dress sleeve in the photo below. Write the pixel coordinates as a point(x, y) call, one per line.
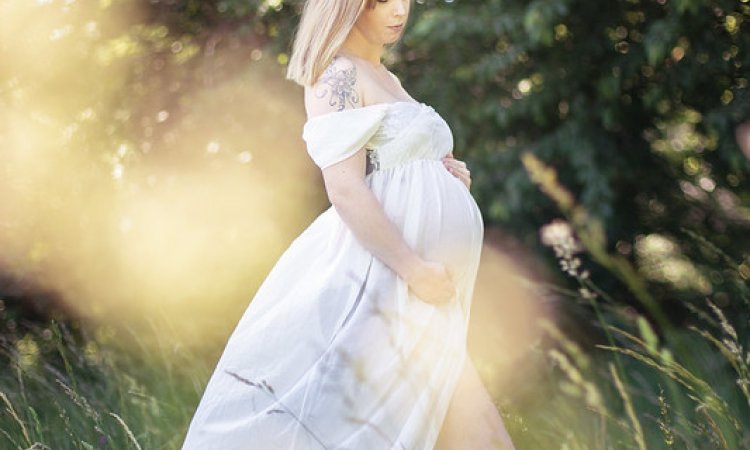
point(332, 137)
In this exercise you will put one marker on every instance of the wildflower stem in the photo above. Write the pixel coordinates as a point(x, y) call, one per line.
point(630, 410)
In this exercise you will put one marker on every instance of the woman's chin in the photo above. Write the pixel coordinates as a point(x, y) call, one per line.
point(392, 38)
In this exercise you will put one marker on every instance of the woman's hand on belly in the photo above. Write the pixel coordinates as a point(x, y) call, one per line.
point(431, 282)
point(458, 169)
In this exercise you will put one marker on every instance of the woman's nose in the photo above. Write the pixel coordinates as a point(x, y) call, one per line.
point(401, 7)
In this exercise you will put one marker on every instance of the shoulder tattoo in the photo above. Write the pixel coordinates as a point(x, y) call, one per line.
point(338, 84)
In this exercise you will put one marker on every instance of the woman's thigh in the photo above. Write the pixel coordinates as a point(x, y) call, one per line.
point(472, 422)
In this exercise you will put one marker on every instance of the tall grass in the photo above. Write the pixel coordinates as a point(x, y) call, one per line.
point(617, 395)
point(651, 385)
point(67, 388)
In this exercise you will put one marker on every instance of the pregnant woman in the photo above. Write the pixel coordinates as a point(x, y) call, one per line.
point(357, 338)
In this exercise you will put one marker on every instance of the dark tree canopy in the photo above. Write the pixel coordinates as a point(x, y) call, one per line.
point(634, 103)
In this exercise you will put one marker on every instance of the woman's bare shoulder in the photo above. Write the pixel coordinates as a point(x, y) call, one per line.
point(339, 87)
point(395, 78)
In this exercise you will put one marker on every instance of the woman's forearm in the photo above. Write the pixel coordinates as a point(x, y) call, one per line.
point(363, 213)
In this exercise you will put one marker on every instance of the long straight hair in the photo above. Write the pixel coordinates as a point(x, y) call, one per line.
point(322, 30)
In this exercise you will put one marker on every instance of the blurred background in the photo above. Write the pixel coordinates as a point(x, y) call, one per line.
point(152, 171)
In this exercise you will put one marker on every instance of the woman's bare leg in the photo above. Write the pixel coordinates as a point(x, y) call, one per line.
point(472, 422)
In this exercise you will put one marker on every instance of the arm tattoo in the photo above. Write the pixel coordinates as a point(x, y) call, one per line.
point(341, 84)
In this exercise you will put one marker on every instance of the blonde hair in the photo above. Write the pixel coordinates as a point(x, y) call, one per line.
point(323, 28)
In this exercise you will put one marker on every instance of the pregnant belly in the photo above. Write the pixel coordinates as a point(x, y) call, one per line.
point(435, 212)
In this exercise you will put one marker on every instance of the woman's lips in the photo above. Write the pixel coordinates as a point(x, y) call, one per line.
point(397, 27)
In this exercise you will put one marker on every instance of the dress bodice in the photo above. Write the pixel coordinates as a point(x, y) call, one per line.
point(394, 133)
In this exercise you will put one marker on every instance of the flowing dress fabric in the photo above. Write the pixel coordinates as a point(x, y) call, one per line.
point(334, 351)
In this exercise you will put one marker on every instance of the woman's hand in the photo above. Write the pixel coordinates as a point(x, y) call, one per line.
point(458, 169)
point(431, 282)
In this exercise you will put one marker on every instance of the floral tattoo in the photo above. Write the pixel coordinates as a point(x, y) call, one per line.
point(341, 86)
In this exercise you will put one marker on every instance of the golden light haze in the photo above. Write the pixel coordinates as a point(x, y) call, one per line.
point(133, 203)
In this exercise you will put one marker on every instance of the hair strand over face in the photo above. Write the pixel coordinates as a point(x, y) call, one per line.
point(323, 28)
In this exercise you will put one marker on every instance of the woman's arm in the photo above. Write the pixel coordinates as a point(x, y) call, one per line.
point(363, 213)
point(357, 205)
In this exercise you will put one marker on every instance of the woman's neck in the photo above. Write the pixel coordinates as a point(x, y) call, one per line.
point(357, 46)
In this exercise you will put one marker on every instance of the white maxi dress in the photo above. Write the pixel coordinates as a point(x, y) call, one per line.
point(334, 351)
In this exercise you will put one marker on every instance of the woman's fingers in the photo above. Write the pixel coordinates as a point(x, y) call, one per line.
point(458, 169)
point(452, 162)
point(455, 164)
point(433, 283)
point(464, 176)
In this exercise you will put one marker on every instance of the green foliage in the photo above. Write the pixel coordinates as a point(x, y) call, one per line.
point(632, 104)
point(706, 404)
point(78, 388)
